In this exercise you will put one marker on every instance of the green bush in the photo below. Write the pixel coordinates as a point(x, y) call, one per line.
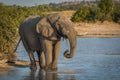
point(84, 14)
point(116, 14)
point(105, 10)
point(8, 29)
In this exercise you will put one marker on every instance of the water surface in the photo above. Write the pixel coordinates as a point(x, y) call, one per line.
point(95, 59)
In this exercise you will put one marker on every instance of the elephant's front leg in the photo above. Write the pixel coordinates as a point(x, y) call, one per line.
point(48, 53)
point(32, 59)
point(56, 52)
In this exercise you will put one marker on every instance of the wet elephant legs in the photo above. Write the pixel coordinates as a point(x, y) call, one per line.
point(51, 51)
point(47, 48)
point(41, 59)
point(33, 62)
point(49, 59)
point(56, 52)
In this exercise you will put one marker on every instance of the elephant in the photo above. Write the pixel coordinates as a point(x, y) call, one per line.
point(43, 35)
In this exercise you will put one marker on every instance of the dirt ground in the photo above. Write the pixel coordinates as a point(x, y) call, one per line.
point(98, 29)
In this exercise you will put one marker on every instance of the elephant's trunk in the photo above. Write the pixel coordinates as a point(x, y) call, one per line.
point(72, 41)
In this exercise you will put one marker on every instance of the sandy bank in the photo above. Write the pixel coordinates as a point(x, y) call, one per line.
point(98, 29)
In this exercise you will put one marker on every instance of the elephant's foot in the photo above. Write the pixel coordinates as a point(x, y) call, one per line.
point(54, 66)
point(54, 69)
point(48, 67)
point(33, 67)
point(42, 66)
point(51, 68)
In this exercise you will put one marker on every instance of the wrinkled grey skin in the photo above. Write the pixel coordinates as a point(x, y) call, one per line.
point(43, 34)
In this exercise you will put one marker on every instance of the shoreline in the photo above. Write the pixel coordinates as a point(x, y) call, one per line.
point(99, 36)
point(17, 63)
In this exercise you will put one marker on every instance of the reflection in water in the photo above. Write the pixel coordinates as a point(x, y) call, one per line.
point(50, 75)
point(42, 75)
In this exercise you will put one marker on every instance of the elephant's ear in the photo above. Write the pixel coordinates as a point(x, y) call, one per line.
point(44, 29)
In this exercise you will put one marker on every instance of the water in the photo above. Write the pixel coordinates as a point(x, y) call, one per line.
point(95, 59)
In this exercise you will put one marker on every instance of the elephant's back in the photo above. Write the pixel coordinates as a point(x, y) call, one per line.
point(27, 31)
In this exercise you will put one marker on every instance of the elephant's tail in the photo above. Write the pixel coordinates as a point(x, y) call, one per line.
point(12, 58)
point(17, 45)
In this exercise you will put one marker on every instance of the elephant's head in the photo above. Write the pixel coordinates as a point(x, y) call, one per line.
point(64, 28)
point(44, 29)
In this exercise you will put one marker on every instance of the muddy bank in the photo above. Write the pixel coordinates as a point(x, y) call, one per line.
point(17, 63)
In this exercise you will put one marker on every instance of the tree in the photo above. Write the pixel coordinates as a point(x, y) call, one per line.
point(106, 8)
point(84, 14)
point(116, 14)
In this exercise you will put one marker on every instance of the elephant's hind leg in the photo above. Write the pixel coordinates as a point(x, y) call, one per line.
point(41, 58)
point(33, 62)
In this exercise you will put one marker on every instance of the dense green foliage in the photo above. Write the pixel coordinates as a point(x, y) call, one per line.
point(10, 19)
point(8, 24)
point(116, 14)
point(84, 14)
point(104, 11)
